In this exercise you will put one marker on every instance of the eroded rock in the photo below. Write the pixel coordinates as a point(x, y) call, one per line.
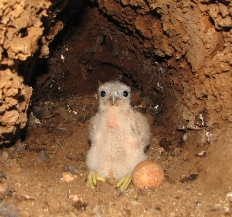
point(14, 102)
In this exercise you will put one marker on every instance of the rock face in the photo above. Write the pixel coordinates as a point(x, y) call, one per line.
point(15, 98)
point(21, 35)
point(21, 28)
point(178, 53)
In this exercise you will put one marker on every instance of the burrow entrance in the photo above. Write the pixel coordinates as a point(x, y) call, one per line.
point(47, 163)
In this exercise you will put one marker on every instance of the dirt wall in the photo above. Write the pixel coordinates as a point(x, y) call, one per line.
point(194, 38)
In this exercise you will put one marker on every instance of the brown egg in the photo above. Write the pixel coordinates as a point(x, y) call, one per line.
point(147, 174)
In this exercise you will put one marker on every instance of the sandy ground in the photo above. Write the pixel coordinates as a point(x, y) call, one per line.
point(45, 175)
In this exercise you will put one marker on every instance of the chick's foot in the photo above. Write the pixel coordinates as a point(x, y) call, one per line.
point(93, 177)
point(124, 182)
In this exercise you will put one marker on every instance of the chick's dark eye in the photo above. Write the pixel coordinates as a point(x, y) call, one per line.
point(125, 93)
point(103, 93)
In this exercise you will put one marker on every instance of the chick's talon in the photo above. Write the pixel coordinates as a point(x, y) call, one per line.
point(92, 179)
point(124, 182)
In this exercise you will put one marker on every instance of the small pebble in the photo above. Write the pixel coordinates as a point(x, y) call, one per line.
point(201, 154)
point(2, 175)
point(42, 156)
point(188, 178)
point(68, 177)
point(73, 169)
point(229, 194)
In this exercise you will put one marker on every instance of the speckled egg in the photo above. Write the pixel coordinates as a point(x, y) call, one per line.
point(147, 174)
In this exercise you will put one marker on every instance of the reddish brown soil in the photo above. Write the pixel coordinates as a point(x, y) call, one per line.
point(36, 169)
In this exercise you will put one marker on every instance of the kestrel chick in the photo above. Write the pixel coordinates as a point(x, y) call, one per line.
point(118, 136)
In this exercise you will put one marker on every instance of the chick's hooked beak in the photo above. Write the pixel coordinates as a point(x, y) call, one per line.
point(114, 97)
